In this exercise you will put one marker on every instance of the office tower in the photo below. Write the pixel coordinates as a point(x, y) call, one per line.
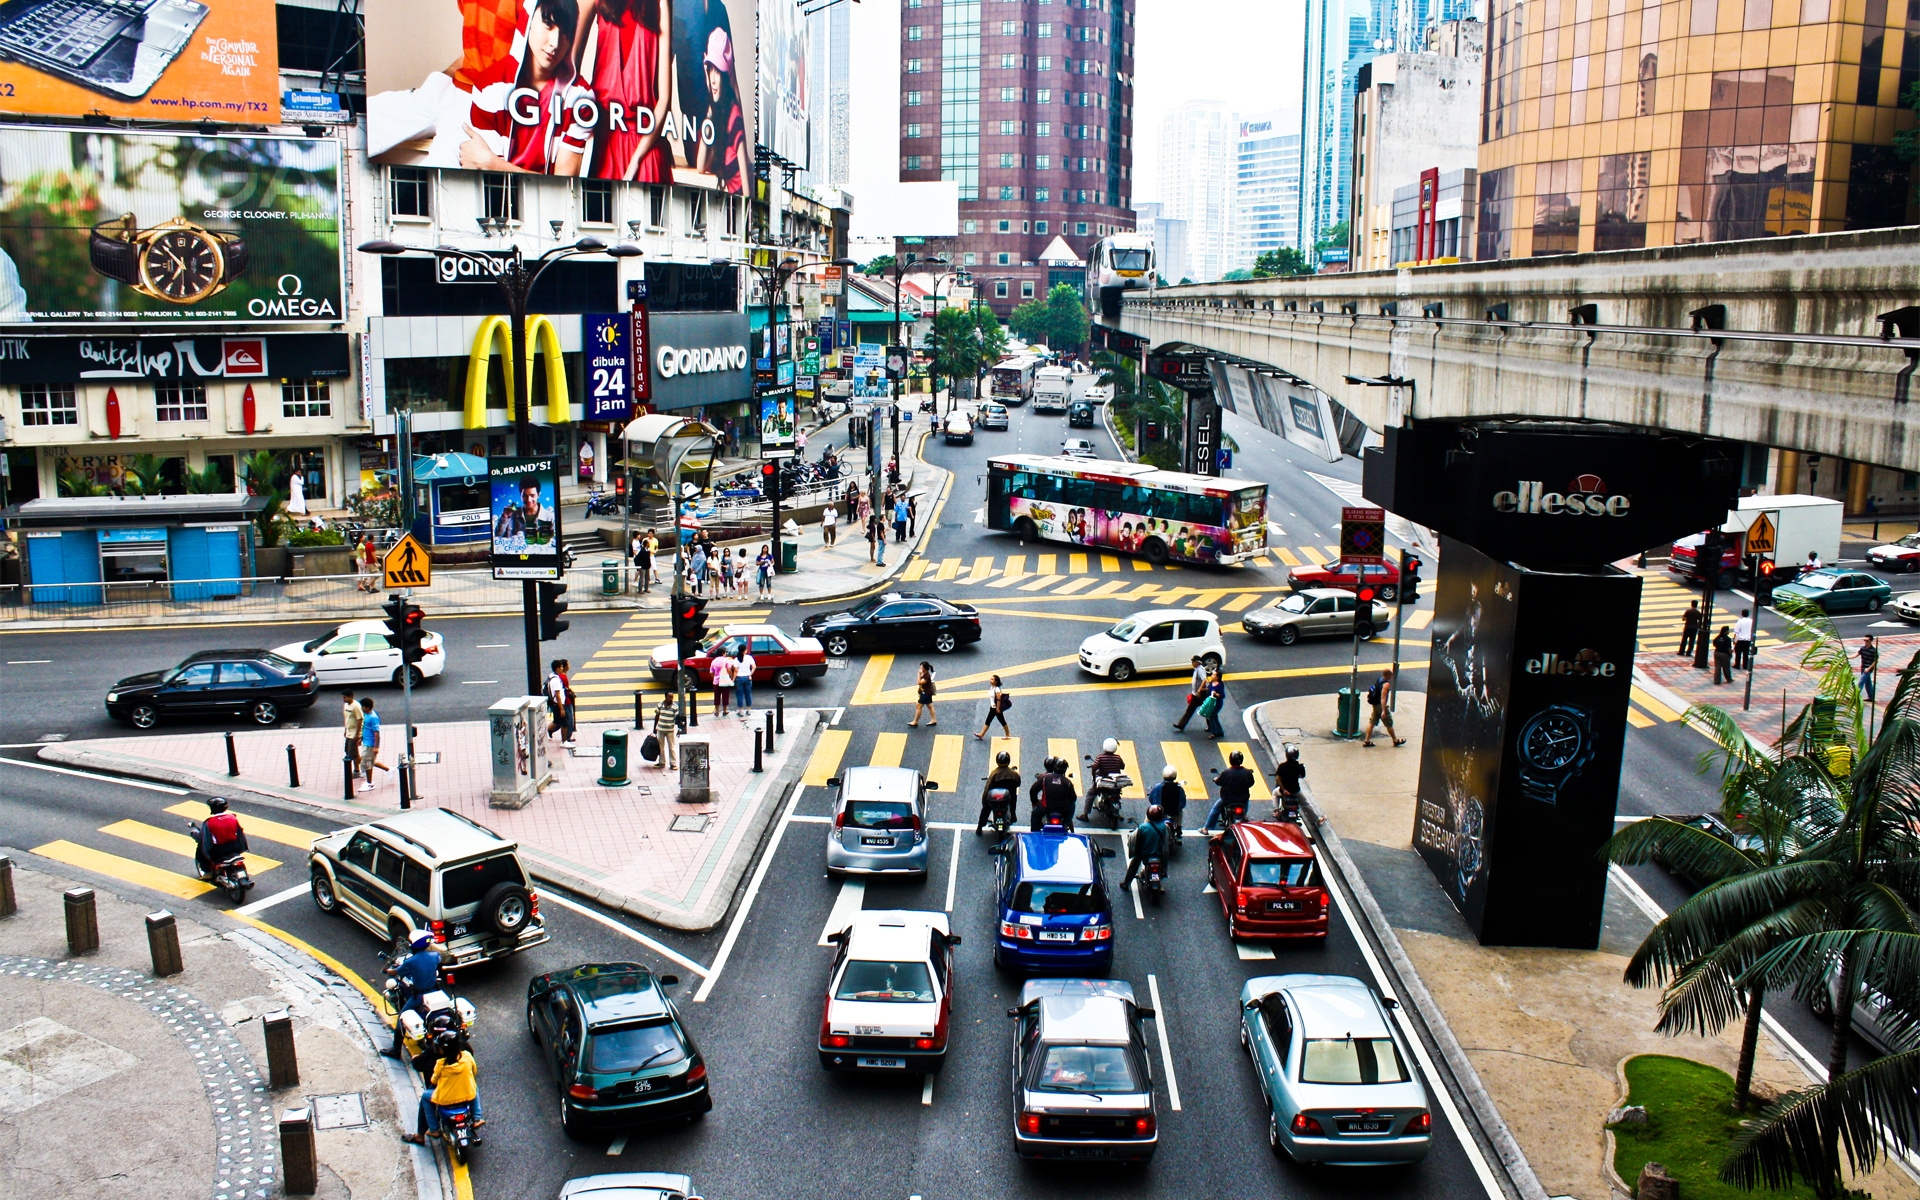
point(1266, 185)
point(1197, 173)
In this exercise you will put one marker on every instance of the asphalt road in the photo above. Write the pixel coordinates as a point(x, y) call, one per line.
point(781, 1126)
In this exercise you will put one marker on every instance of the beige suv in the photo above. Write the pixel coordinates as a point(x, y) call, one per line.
point(432, 869)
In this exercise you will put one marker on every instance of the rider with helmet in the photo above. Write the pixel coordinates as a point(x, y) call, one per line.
point(221, 837)
point(1149, 841)
point(1052, 792)
point(455, 1080)
point(1170, 797)
point(418, 973)
point(1236, 790)
point(1004, 777)
point(1107, 762)
point(1287, 778)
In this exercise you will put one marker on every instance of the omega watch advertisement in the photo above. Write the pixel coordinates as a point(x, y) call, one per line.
point(106, 225)
point(1526, 725)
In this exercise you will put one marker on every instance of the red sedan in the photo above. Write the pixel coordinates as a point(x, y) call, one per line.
point(1269, 881)
point(779, 657)
point(1384, 580)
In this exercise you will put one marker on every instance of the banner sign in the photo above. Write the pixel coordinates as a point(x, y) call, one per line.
point(777, 423)
point(826, 334)
point(164, 60)
point(631, 100)
point(642, 343)
point(607, 339)
point(26, 360)
point(106, 225)
point(1363, 536)
point(524, 508)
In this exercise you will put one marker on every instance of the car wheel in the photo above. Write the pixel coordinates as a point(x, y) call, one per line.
point(533, 1031)
point(944, 641)
point(1120, 671)
point(506, 908)
point(836, 644)
point(568, 1125)
point(144, 716)
point(1286, 635)
point(1210, 661)
point(1911, 565)
point(324, 898)
point(264, 712)
point(1246, 1043)
point(1155, 550)
point(397, 940)
point(1026, 530)
point(401, 676)
point(784, 679)
point(1365, 630)
point(1388, 591)
point(1874, 604)
point(1273, 1134)
point(1821, 1004)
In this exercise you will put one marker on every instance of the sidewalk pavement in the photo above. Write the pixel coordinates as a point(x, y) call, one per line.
point(1781, 686)
point(1542, 1032)
point(634, 848)
point(116, 1083)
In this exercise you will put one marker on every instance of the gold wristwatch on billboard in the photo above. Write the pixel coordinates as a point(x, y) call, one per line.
point(176, 260)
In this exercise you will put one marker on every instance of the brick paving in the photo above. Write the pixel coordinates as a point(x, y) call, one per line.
point(1777, 672)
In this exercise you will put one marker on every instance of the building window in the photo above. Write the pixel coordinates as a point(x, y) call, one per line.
point(1039, 226)
point(1000, 289)
point(1043, 96)
point(412, 197)
point(1006, 191)
point(1009, 27)
point(1043, 129)
point(913, 66)
point(1620, 220)
point(656, 206)
point(1003, 259)
point(733, 216)
point(1006, 226)
point(1045, 29)
point(913, 98)
point(179, 402)
point(305, 398)
point(1043, 162)
point(1009, 60)
point(1494, 229)
point(969, 227)
point(1043, 63)
point(913, 33)
point(1042, 194)
point(1026, 289)
point(696, 210)
point(1006, 160)
point(913, 162)
point(969, 259)
point(913, 3)
point(1008, 93)
point(596, 202)
point(49, 404)
point(1080, 229)
point(913, 129)
point(502, 196)
point(1009, 127)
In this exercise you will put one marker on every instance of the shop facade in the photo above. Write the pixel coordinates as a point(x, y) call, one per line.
point(92, 549)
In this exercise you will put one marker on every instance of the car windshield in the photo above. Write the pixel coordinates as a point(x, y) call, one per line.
point(468, 883)
point(631, 1047)
point(1352, 1060)
point(1911, 541)
point(885, 982)
point(1294, 604)
point(1124, 631)
point(1056, 899)
point(285, 666)
point(879, 814)
point(865, 608)
point(1819, 581)
point(1106, 1070)
point(1282, 872)
point(323, 639)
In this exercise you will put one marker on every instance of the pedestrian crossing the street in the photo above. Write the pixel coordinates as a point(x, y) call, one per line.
point(606, 682)
point(1663, 605)
point(158, 854)
point(1033, 571)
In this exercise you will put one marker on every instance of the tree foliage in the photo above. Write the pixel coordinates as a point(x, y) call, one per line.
point(1283, 261)
point(881, 265)
point(1058, 319)
point(964, 341)
point(1137, 400)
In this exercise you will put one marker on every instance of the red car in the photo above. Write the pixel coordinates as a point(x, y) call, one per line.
point(1269, 881)
point(1384, 580)
point(779, 657)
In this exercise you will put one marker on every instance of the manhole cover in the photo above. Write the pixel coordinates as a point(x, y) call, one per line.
point(345, 1111)
point(689, 823)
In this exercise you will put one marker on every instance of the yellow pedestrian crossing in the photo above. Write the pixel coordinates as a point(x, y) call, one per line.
point(1109, 562)
point(1418, 619)
point(1043, 564)
point(1179, 756)
point(982, 568)
point(824, 763)
point(1260, 789)
point(944, 768)
point(888, 750)
point(1076, 564)
point(1068, 749)
point(1139, 789)
point(1010, 744)
point(291, 836)
point(1286, 556)
point(155, 838)
point(1074, 585)
point(172, 883)
point(1318, 559)
point(160, 842)
point(987, 570)
point(1663, 606)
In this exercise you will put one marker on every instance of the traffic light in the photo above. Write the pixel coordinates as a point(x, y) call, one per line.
point(1763, 581)
point(689, 626)
point(396, 610)
point(552, 608)
point(1409, 580)
point(406, 628)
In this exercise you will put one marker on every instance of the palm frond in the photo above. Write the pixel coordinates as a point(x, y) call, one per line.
point(1725, 910)
point(1689, 850)
point(1871, 1111)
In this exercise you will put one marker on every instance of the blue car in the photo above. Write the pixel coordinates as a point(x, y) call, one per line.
point(1055, 915)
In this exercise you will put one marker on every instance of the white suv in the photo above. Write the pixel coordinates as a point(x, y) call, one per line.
point(1159, 639)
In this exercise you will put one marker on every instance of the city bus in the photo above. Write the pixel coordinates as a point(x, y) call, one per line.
point(1163, 516)
point(1011, 380)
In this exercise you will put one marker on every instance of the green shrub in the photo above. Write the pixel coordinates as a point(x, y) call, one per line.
point(317, 537)
point(1691, 1122)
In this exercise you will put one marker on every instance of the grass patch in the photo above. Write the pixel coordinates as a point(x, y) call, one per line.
point(1690, 1124)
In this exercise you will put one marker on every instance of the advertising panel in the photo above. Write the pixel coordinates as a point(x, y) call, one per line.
point(641, 90)
point(104, 225)
point(784, 83)
point(524, 507)
point(27, 360)
point(608, 341)
point(163, 60)
point(777, 423)
point(698, 358)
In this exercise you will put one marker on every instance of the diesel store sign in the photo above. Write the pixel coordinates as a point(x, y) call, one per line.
point(699, 358)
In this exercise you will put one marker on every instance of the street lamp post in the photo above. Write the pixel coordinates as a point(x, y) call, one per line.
point(517, 279)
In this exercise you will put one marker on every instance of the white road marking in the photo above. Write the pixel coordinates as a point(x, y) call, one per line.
point(617, 1146)
point(266, 902)
point(853, 895)
point(746, 904)
point(493, 646)
point(953, 877)
point(926, 1090)
point(474, 681)
point(1252, 953)
point(1166, 1050)
point(28, 662)
point(132, 783)
point(1139, 914)
point(806, 819)
point(659, 948)
point(1209, 890)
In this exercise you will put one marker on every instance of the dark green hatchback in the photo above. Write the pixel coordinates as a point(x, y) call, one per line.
point(616, 1048)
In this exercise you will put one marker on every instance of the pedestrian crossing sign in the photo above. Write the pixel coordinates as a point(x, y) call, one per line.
point(1760, 535)
point(407, 565)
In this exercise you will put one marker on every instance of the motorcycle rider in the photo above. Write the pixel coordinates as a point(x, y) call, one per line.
point(1003, 777)
point(1107, 762)
point(1170, 797)
point(1052, 792)
point(455, 1080)
point(1149, 841)
point(1287, 777)
point(221, 837)
point(418, 973)
point(1236, 789)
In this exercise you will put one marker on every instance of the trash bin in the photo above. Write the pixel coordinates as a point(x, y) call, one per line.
point(1348, 725)
point(613, 758)
point(789, 557)
point(609, 577)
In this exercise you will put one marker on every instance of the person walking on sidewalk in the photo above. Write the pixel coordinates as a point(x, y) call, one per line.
point(923, 696)
point(350, 727)
point(913, 515)
point(1869, 667)
point(1196, 692)
point(370, 578)
point(1380, 700)
point(643, 560)
point(998, 702)
point(742, 573)
point(369, 741)
point(652, 541)
point(1743, 640)
point(1723, 656)
point(879, 527)
point(722, 671)
point(666, 730)
point(764, 563)
point(829, 523)
point(900, 514)
point(743, 670)
point(560, 700)
point(1689, 628)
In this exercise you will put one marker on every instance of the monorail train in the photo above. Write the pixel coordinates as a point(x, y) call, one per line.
point(1116, 263)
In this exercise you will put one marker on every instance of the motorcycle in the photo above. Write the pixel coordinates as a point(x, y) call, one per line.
point(602, 504)
point(1104, 792)
point(1155, 869)
point(999, 808)
point(230, 875)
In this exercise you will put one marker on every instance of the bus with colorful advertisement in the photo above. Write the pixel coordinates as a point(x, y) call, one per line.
point(1132, 508)
point(1010, 381)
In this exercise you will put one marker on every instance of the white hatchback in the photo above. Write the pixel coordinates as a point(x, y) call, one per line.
point(358, 652)
point(889, 1003)
point(1159, 639)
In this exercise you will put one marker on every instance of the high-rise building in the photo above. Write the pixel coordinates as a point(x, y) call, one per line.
point(1658, 125)
point(1197, 182)
point(1170, 257)
point(1027, 105)
point(1267, 186)
point(1413, 113)
point(1340, 36)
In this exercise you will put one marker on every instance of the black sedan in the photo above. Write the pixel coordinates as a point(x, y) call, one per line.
point(895, 621)
point(615, 1047)
point(259, 684)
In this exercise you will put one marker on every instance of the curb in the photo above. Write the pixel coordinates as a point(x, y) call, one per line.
point(1518, 1176)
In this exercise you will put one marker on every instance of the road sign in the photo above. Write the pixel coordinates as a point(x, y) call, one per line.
point(406, 565)
point(1363, 536)
point(1761, 535)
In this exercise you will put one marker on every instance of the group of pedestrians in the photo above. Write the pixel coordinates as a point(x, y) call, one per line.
point(732, 678)
point(1733, 647)
point(1206, 694)
point(360, 726)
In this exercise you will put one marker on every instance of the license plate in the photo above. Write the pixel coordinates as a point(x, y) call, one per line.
point(1283, 906)
point(1056, 937)
point(895, 1064)
point(1086, 1152)
point(876, 841)
point(1365, 1126)
point(644, 1085)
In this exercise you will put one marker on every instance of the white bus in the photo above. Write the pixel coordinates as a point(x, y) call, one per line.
point(1163, 516)
point(1011, 379)
point(1052, 389)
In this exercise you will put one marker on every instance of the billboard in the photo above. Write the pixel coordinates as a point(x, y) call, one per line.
point(784, 82)
point(640, 90)
point(524, 508)
point(105, 225)
point(163, 60)
point(776, 422)
point(608, 341)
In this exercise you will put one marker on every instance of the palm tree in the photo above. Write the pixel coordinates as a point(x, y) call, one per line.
point(81, 483)
point(263, 471)
point(206, 481)
point(143, 474)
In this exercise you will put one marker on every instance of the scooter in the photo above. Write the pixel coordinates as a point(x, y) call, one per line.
point(602, 504)
point(999, 808)
point(230, 875)
point(1105, 791)
point(1155, 870)
point(456, 1130)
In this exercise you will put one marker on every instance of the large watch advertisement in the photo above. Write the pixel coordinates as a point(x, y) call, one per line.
point(159, 60)
point(104, 225)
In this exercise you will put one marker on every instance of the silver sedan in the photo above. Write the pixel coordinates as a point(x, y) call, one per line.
point(880, 823)
point(1906, 607)
point(1315, 612)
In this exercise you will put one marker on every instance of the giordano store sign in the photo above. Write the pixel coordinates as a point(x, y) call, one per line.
point(699, 358)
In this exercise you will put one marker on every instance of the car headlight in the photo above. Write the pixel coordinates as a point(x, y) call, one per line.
point(113, 697)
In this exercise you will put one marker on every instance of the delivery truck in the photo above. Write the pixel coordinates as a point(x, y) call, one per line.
point(1797, 525)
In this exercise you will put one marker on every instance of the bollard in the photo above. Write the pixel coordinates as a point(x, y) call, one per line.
point(769, 731)
point(299, 1157)
point(8, 904)
point(779, 712)
point(233, 759)
point(346, 769)
point(283, 1064)
point(293, 767)
point(639, 711)
point(406, 792)
point(693, 707)
point(83, 921)
point(163, 942)
point(757, 768)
